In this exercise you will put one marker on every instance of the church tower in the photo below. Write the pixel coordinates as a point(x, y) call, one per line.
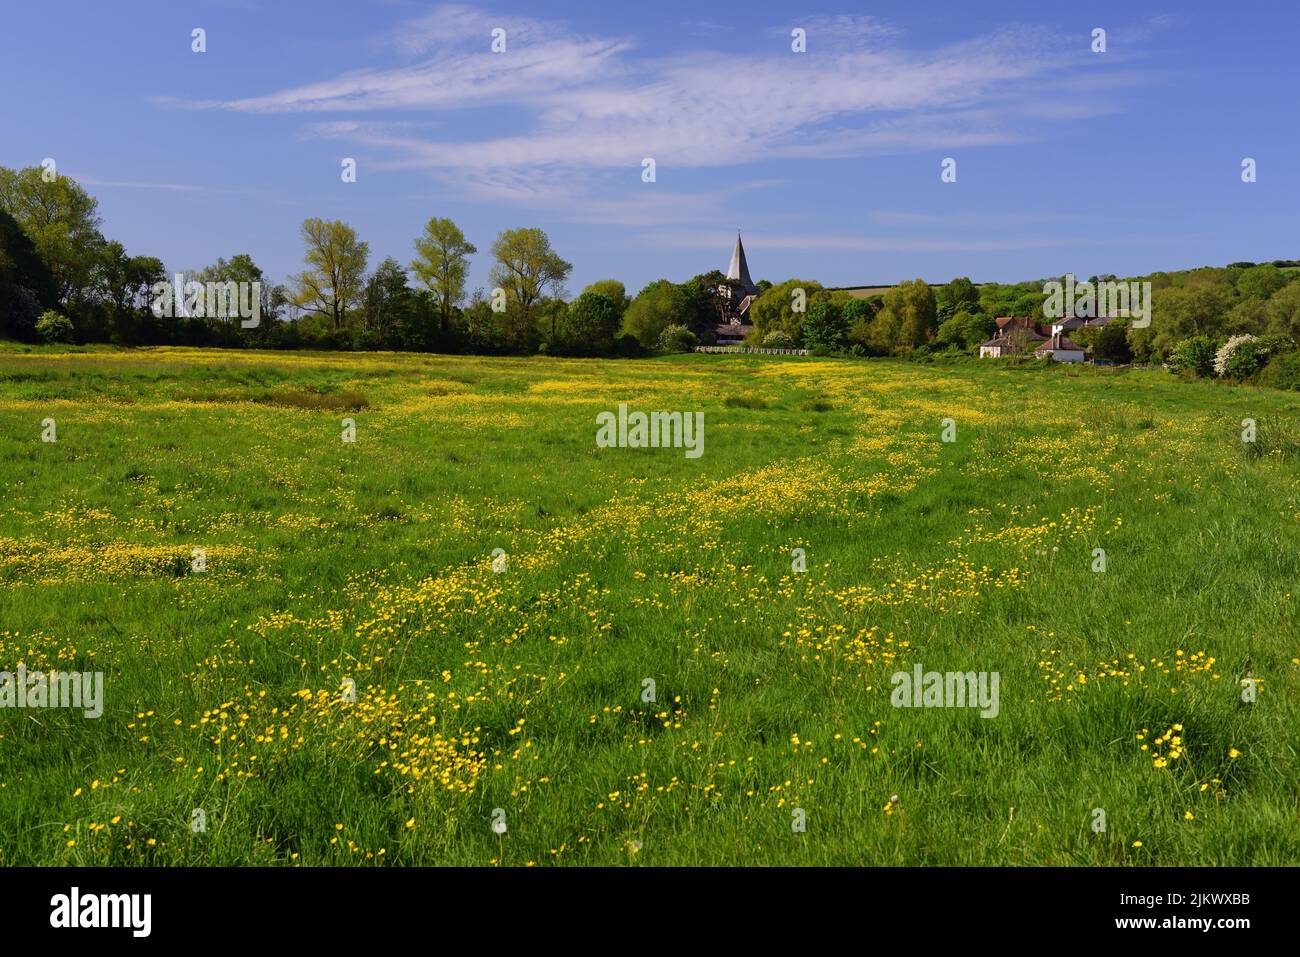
point(735, 296)
point(739, 269)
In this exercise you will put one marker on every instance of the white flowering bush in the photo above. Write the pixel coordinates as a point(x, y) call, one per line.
point(1240, 357)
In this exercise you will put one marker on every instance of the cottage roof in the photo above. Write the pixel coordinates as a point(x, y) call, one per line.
point(1059, 341)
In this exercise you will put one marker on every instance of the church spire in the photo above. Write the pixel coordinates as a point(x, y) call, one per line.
point(739, 269)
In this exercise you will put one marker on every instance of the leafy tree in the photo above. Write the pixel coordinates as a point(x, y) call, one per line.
point(1106, 342)
point(590, 325)
point(655, 307)
point(965, 330)
point(1029, 304)
point(21, 263)
point(776, 309)
point(959, 295)
point(1260, 282)
point(62, 221)
point(121, 284)
point(389, 305)
point(522, 335)
point(858, 314)
point(1283, 312)
point(442, 264)
point(241, 268)
point(1181, 312)
point(550, 316)
point(26, 285)
point(1249, 315)
point(705, 303)
point(123, 281)
point(526, 267)
point(484, 327)
point(907, 318)
point(997, 299)
point(616, 292)
point(333, 282)
point(825, 328)
point(54, 327)
point(1282, 371)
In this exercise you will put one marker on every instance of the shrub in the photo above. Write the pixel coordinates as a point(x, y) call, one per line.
point(54, 327)
point(627, 347)
point(778, 339)
point(1194, 356)
point(1240, 357)
point(314, 400)
point(677, 338)
point(1282, 372)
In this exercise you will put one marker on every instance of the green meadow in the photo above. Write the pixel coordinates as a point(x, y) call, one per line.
point(311, 656)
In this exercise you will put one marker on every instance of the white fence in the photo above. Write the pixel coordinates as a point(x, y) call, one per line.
point(746, 350)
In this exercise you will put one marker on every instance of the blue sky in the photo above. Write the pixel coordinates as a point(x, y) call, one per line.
point(829, 160)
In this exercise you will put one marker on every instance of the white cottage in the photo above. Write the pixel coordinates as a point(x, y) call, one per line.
point(1061, 349)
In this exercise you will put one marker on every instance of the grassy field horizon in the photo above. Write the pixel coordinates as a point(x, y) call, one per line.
point(471, 636)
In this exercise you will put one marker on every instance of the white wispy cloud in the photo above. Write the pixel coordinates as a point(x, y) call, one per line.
point(577, 110)
point(871, 244)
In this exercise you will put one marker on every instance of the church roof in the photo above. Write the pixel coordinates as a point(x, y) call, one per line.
point(739, 269)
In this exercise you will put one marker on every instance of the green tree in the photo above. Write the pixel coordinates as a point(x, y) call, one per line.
point(526, 267)
point(784, 307)
point(550, 316)
point(442, 264)
point(1247, 316)
point(704, 302)
point(241, 268)
point(26, 285)
point(907, 318)
point(655, 307)
point(590, 325)
point(1260, 282)
point(1181, 312)
point(965, 330)
point(122, 283)
point(62, 221)
point(1283, 312)
point(333, 282)
point(616, 292)
point(388, 304)
point(825, 327)
point(1106, 342)
point(959, 295)
point(858, 314)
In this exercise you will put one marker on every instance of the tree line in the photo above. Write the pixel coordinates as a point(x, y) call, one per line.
point(62, 280)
